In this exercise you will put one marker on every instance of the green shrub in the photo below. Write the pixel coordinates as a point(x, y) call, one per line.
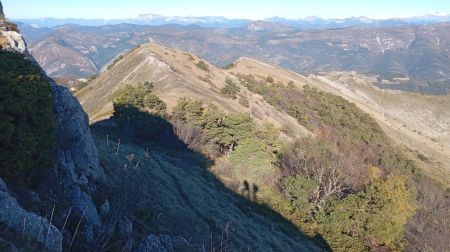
point(230, 89)
point(251, 153)
point(370, 219)
point(202, 65)
point(229, 66)
point(269, 79)
point(323, 112)
point(140, 96)
point(225, 131)
point(140, 113)
point(27, 122)
point(243, 100)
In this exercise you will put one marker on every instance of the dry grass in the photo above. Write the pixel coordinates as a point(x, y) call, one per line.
point(155, 64)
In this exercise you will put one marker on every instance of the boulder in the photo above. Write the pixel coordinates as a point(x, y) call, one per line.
point(28, 225)
point(15, 42)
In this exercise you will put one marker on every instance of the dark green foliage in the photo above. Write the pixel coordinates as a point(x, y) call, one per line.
point(224, 132)
point(230, 89)
point(188, 111)
point(229, 66)
point(140, 96)
point(114, 62)
point(131, 108)
point(325, 179)
point(298, 191)
point(27, 122)
point(202, 65)
point(324, 112)
point(235, 127)
point(251, 152)
point(171, 191)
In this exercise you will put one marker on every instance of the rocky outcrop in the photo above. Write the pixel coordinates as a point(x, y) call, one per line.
point(14, 41)
point(77, 161)
point(26, 224)
point(68, 187)
point(10, 38)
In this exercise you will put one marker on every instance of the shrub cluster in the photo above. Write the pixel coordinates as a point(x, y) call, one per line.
point(202, 65)
point(140, 113)
point(231, 89)
point(223, 134)
point(27, 122)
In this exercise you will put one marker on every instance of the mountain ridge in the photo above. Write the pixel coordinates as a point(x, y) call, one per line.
point(175, 75)
point(428, 133)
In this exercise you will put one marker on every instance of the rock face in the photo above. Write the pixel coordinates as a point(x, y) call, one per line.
point(10, 38)
point(15, 41)
point(77, 160)
point(28, 224)
point(2, 15)
point(69, 186)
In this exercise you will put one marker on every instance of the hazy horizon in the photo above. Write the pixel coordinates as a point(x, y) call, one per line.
point(231, 9)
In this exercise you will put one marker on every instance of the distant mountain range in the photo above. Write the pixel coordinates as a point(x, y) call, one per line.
point(408, 57)
point(222, 22)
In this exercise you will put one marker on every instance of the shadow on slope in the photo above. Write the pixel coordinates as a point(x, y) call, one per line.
point(167, 189)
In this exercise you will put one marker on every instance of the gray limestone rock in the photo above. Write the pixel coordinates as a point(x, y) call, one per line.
point(77, 159)
point(77, 168)
point(15, 41)
point(29, 224)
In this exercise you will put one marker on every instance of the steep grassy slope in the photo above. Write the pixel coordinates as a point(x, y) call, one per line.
point(173, 193)
point(269, 90)
point(177, 74)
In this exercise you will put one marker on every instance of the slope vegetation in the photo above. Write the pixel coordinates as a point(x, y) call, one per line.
point(170, 191)
point(312, 182)
point(177, 74)
point(419, 122)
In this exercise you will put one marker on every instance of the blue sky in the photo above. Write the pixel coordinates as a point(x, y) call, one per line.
point(254, 9)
